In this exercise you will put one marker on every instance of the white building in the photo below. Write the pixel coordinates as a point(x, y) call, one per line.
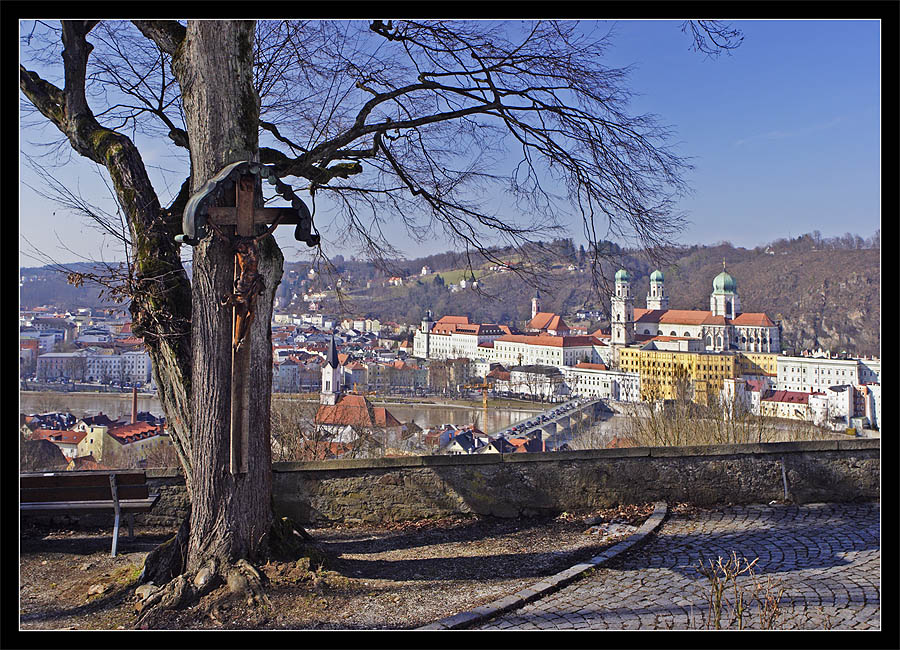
point(815, 374)
point(103, 367)
point(596, 380)
point(454, 337)
point(546, 383)
point(869, 371)
point(136, 367)
point(542, 349)
point(61, 365)
point(833, 407)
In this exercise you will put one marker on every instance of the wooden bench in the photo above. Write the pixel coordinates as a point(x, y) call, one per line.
point(122, 491)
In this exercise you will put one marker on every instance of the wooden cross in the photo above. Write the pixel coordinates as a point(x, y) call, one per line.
point(244, 216)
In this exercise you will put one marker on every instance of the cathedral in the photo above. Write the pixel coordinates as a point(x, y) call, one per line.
point(724, 327)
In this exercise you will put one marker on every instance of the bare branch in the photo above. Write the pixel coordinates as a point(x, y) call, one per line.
point(167, 34)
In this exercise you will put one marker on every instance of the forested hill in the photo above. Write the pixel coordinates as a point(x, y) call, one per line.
point(824, 298)
point(826, 293)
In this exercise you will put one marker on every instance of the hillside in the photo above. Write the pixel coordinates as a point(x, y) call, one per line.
point(829, 299)
point(824, 298)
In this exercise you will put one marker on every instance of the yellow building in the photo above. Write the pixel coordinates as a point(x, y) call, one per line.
point(757, 363)
point(122, 445)
point(668, 374)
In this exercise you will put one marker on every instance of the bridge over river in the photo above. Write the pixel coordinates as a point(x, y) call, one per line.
point(557, 424)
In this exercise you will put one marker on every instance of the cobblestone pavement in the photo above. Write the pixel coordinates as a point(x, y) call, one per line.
point(826, 557)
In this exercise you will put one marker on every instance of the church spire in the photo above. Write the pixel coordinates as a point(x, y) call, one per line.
point(331, 358)
point(331, 376)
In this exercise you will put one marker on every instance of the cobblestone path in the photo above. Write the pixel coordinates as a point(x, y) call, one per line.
point(826, 557)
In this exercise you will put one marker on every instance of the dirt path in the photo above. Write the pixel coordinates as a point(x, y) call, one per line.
point(388, 577)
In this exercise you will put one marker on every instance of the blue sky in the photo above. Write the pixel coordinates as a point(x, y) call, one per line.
point(784, 135)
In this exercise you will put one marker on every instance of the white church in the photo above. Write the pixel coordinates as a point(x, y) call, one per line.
point(724, 327)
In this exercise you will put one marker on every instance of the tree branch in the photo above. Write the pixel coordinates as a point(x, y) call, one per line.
point(167, 34)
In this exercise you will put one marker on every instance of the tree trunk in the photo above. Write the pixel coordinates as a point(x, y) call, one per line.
point(230, 514)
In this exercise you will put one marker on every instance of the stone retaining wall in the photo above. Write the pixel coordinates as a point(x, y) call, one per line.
point(512, 485)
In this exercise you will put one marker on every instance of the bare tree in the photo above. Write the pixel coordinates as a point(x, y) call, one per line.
point(295, 434)
point(389, 121)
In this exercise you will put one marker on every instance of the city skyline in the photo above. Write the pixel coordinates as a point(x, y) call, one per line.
point(783, 133)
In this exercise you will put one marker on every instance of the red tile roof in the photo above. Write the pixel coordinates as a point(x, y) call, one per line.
point(357, 411)
point(544, 320)
point(552, 341)
point(127, 433)
point(54, 435)
point(789, 396)
point(753, 319)
point(591, 366)
point(497, 373)
point(690, 317)
point(699, 317)
point(648, 315)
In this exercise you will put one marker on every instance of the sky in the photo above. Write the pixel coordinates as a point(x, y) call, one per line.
point(784, 134)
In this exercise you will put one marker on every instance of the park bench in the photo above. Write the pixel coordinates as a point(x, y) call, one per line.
point(121, 491)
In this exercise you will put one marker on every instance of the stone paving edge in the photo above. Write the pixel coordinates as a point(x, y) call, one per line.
point(552, 583)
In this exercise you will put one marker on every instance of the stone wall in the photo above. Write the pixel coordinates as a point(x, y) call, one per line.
point(512, 485)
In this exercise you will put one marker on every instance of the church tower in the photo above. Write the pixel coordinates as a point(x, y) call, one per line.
point(331, 376)
point(657, 298)
point(535, 304)
point(622, 311)
point(724, 301)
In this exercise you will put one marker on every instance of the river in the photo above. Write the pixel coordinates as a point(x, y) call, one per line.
point(494, 419)
point(116, 405)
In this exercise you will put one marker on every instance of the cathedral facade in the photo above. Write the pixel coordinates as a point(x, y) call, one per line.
point(724, 327)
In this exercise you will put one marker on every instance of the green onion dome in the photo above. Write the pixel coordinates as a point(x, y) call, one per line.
point(724, 283)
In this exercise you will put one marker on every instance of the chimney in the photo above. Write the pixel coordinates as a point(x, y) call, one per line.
point(134, 404)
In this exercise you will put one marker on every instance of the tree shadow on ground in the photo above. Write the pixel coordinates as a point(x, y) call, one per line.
point(113, 600)
point(467, 531)
point(89, 542)
point(475, 567)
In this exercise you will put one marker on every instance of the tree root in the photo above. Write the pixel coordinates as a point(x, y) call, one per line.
point(217, 587)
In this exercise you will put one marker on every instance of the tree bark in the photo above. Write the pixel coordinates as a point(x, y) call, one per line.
point(230, 514)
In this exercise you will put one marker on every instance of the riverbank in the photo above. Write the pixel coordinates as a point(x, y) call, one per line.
point(425, 412)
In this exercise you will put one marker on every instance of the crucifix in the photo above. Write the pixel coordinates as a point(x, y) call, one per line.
point(244, 216)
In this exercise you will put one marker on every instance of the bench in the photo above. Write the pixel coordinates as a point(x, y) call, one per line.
point(122, 491)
